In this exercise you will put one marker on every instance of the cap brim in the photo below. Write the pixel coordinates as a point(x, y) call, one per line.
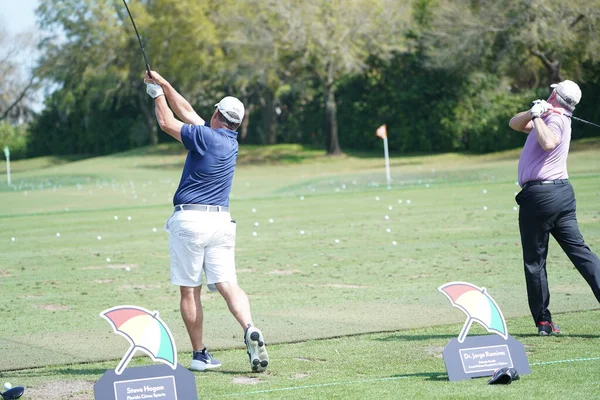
point(554, 85)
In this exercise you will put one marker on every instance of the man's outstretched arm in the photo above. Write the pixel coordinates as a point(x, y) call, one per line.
point(166, 120)
point(182, 108)
point(521, 122)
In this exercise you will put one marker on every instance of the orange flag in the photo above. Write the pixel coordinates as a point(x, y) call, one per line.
point(382, 131)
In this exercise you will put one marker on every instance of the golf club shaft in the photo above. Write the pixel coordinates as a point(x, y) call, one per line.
point(584, 121)
point(139, 39)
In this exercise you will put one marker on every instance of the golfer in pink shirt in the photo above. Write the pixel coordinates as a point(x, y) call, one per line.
point(547, 200)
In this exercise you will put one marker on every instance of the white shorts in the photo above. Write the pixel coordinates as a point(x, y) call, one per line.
point(201, 241)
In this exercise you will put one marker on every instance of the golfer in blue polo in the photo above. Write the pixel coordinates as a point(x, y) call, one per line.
point(202, 233)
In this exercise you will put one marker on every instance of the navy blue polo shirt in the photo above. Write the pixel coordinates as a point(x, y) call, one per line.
point(208, 171)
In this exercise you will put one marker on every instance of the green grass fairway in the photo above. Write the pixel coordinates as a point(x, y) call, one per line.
point(325, 267)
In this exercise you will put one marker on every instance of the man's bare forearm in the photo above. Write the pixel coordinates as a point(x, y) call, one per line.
point(521, 122)
point(166, 120)
point(181, 106)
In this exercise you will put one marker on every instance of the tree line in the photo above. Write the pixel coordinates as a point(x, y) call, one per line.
point(444, 75)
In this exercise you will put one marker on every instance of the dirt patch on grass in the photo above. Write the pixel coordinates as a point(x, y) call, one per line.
point(300, 376)
point(284, 272)
point(345, 286)
point(245, 270)
point(109, 266)
point(53, 307)
point(74, 390)
point(246, 380)
point(419, 276)
point(310, 359)
point(434, 351)
point(30, 296)
point(104, 280)
point(5, 274)
point(139, 287)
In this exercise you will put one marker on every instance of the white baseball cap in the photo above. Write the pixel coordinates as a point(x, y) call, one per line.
point(232, 109)
point(569, 91)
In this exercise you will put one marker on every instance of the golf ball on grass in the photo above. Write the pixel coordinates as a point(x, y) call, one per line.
point(99, 238)
point(12, 239)
point(57, 234)
point(7, 386)
point(254, 234)
point(107, 259)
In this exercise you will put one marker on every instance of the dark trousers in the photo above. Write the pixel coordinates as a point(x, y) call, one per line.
point(544, 210)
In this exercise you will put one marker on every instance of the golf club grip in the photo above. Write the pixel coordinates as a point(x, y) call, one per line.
point(139, 39)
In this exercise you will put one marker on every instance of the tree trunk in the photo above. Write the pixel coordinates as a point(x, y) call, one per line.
point(245, 122)
point(6, 113)
point(553, 68)
point(269, 118)
point(331, 128)
point(333, 143)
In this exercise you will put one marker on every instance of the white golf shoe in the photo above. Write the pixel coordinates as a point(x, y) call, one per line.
point(257, 349)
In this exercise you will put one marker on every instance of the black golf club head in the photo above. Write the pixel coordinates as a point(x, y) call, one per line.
point(504, 376)
point(14, 393)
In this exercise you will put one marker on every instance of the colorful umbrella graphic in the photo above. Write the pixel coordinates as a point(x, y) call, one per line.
point(478, 305)
point(145, 331)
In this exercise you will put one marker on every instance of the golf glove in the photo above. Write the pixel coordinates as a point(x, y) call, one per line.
point(537, 110)
point(154, 90)
point(545, 107)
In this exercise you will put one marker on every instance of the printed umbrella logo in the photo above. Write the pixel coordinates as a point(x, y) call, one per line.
point(145, 331)
point(478, 305)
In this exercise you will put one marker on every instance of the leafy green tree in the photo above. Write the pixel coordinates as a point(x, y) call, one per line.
point(532, 42)
point(334, 38)
point(96, 62)
point(17, 84)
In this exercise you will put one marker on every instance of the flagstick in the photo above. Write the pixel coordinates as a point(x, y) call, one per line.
point(465, 330)
point(125, 360)
point(387, 160)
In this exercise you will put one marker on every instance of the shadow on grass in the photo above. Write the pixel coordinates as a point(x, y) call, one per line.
point(562, 335)
point(36, 373)
point(410, 338)
point(428, 376)
point(244, 373)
